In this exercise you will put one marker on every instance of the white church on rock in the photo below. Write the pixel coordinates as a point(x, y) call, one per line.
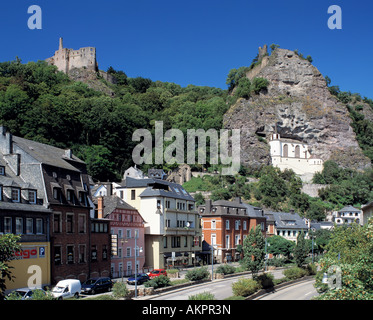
point(295, 155)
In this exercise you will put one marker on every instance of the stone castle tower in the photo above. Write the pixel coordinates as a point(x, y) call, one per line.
point(66, 59)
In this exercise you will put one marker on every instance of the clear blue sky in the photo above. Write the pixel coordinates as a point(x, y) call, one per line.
point(196, 42)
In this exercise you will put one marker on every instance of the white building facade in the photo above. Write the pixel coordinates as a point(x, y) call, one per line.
point(295, 155)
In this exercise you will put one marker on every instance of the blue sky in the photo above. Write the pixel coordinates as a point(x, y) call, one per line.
point(196, 42)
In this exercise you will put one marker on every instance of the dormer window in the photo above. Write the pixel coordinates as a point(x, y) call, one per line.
point(2, 171)
point(16, 194)
point(32, 196)
point(82, 198)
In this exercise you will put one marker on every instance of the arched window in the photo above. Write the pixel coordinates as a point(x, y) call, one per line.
point(286, 151)
point(297, 151)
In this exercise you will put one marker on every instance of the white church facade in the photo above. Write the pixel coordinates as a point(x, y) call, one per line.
point(295, 155)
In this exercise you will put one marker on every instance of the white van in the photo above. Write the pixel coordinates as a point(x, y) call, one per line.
point(66, 289)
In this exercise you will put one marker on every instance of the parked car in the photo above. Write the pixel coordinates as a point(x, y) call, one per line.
point(141, 278)
point(95, 285)
point(157, 273)
point(67, 289)
point(26, 293)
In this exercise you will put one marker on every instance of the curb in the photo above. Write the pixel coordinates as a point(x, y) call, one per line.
point(283, 285)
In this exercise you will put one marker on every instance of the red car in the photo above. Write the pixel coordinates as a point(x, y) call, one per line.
point(157, 273)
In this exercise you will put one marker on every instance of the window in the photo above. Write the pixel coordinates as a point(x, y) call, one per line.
point(120, 252)
point(7, 225)
point(237, 224)
point(81, 224)
point(1, 193)
point(83, 198)
point(128, 252)
point(158, 204)
point(16, 195)
point(56, 193)
point(164, 242)
point(168, 223)
point(81, 253)
point(226, 224)
point(32, 196)
point(227, 241)
point(19, 225)
point(133, 194)
point(175, 242)
point(168, 204)
point(245, 225)
point(262, 225)
point(69, 223)
point(70, 254)
point(39, 226)
point(70, 195)
point(128, 233)
point(57, 255)
point(213, 224)
point(2, 171)
point(121, 194)
point(237, 239)
point(29, 226)
point(185, 241)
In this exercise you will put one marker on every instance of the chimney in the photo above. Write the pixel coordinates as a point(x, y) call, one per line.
point(6, 142)
point(61, 44)
point(109, 188)
point(238, 199)
point(292, 211)
point(100, 207)
point(208, 206)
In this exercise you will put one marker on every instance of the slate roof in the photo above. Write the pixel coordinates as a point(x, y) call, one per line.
point(47, 154)
point(114, 202)
point(349, 209)
point(282, 220)
point(158, 188)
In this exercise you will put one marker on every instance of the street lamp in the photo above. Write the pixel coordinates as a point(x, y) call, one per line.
point(140, 250)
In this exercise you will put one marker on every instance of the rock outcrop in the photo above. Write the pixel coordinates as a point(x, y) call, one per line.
point(299, 106)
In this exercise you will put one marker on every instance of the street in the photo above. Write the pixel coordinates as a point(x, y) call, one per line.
point(220, 288)
point(301, 291)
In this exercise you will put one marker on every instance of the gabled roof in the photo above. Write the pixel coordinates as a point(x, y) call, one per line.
point(114, 202)
point(47, 154)
point(349, 209)
point(286, 220)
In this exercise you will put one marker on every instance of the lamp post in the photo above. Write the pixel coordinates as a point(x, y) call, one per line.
point(212, 259)
point(140, 250)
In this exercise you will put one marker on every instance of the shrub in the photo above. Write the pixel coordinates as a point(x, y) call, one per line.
point(202, 296)
point(265, 280)
point(311, 269)
point(245, 287)
point(158, 282)
point(225, 269)
point(197, 274)
point(120, 290)
point(294, 273)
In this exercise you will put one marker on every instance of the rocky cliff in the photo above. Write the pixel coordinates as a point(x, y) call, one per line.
point(300, 105)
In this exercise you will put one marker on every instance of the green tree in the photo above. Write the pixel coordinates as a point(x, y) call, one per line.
point(350, 249)
point(9, 243)
point(278, 245)
point(301, 250)
point(254, 250)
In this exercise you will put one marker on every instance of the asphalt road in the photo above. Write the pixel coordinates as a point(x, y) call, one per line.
point(301, 291)
point(221, 289)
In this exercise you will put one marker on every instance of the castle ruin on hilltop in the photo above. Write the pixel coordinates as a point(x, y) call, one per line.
point(66, 59)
